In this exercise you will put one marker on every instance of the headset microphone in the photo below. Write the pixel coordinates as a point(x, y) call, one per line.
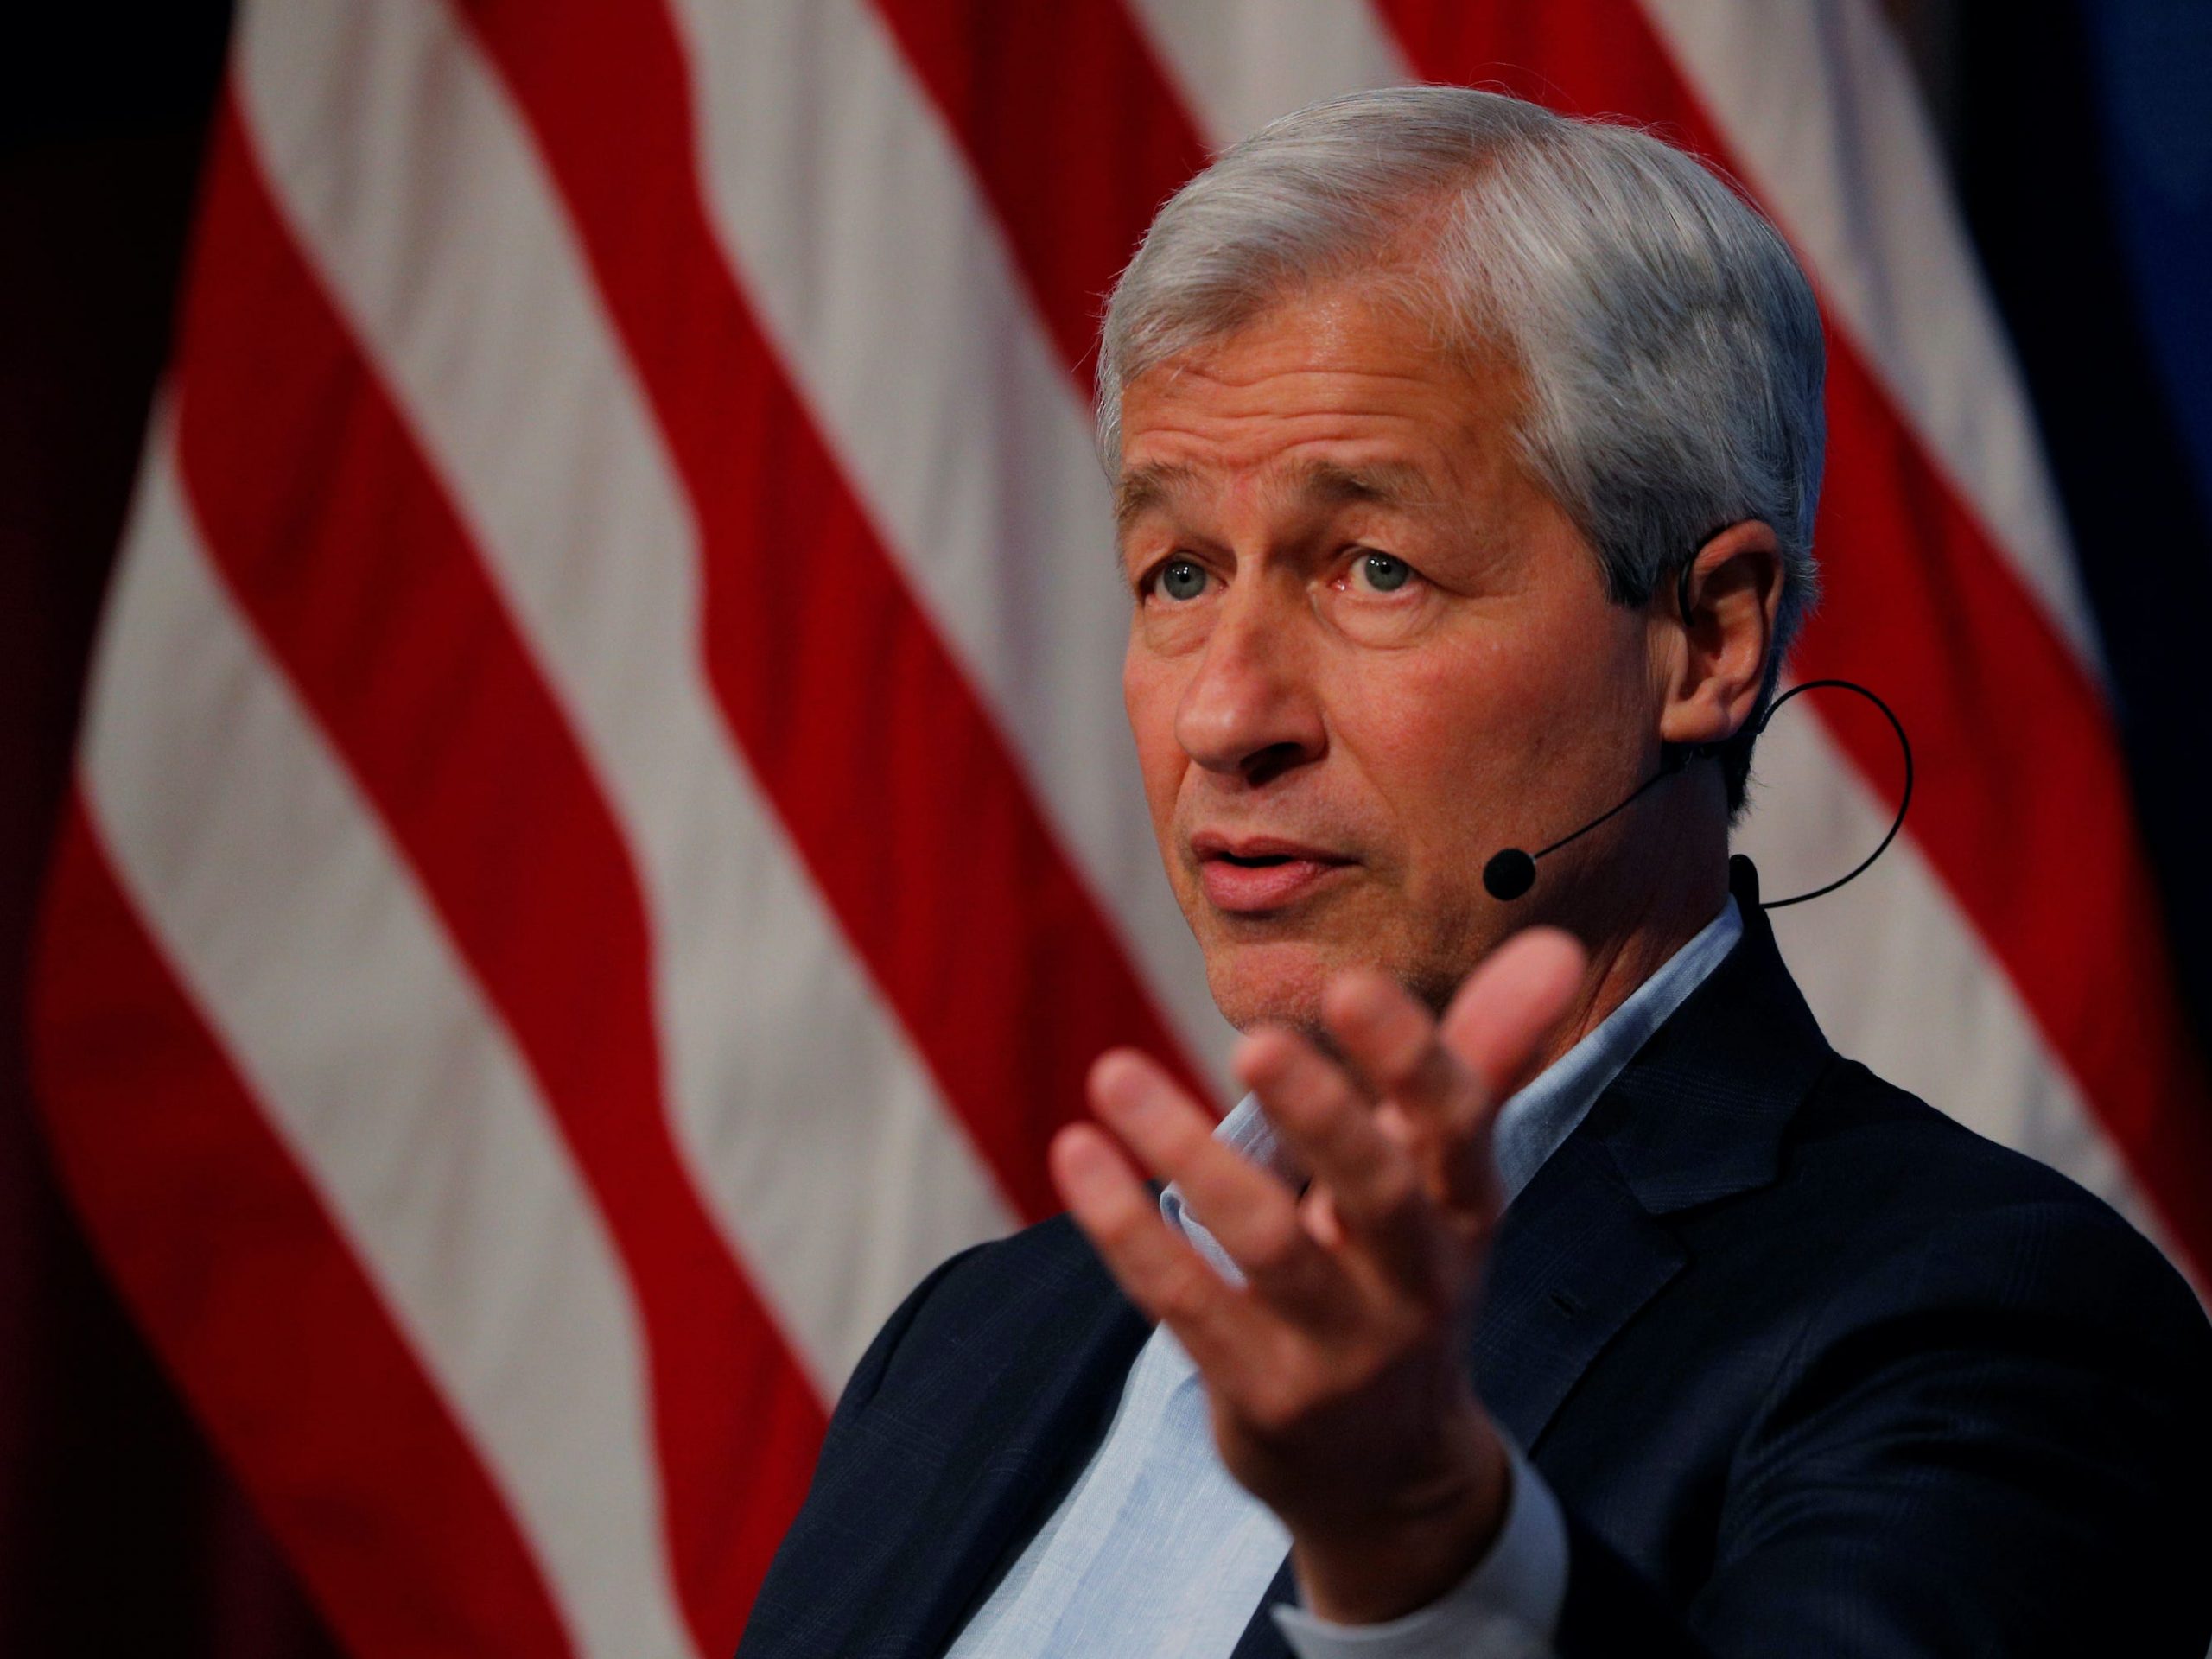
point(1511, 872)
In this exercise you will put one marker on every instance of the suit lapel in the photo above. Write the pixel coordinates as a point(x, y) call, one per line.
point(1575, 1260)
point(1697, 1116)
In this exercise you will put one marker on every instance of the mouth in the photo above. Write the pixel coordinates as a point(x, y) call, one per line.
point(1252, 875)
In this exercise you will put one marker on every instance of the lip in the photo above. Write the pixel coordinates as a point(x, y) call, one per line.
point(1249, 889)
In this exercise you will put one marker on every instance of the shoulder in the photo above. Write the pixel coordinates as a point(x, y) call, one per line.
point(1902, 1170)
point(1006, 1282)
point(1896, 1212)
point(960, 1413)
point(1887, 1235)
point(984, 1304)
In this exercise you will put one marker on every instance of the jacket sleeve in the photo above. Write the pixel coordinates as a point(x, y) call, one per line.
point(1992, 1441)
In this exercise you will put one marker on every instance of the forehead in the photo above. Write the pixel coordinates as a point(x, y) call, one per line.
point(1329, 398)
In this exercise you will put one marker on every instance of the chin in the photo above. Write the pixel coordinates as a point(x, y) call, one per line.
point(1277, 983)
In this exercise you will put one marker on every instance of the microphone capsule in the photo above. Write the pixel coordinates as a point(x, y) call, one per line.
point(1509, 873)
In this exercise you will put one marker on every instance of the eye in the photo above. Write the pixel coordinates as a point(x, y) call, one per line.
point(1181, 579)
point(1383, 573)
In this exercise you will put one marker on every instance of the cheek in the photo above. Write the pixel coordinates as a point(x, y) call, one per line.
point(1487, 744)
point(1443, 729)
point(1150, 692)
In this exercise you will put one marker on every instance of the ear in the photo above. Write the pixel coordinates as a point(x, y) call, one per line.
point(1712, 659)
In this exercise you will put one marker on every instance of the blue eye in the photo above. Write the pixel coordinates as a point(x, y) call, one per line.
point(1384, 574)
point(1181, 579)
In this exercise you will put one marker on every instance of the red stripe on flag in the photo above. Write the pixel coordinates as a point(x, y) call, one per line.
point(2023, 803)
point(284, 1348)
point(914, 819)
point(1071, 128)
point(343, 551)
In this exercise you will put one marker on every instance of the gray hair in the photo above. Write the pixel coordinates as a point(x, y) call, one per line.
point(1670, 345)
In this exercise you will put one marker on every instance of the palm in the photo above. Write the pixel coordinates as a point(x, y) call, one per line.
point(1337, 1393)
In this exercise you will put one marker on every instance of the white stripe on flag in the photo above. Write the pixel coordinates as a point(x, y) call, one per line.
point(862, 240)
point(1240, 63)
point(296, 927)
point(833, 1167)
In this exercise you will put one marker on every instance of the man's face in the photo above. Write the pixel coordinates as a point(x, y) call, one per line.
point(1367, 653)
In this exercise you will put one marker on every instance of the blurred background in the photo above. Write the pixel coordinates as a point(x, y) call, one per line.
point(564, 825)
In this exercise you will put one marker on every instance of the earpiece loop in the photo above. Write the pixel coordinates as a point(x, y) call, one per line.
point(1511, 871)
point(1689, 753)
point(1904, 802)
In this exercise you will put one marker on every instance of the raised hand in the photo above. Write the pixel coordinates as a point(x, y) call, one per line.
point(1340, 1398)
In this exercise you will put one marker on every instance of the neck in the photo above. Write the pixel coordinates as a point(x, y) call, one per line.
point(1631, 928)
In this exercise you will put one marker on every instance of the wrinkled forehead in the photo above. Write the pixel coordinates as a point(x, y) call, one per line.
point(1315, 483)
point(1329, 406)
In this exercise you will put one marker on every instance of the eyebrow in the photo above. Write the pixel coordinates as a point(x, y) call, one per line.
point(1383, 483)
point(1146, 489)
point(1326, 483)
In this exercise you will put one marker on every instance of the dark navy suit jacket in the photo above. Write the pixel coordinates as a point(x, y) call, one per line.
point(1812, 1370)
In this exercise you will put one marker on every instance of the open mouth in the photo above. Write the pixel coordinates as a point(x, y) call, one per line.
point(1256, 861)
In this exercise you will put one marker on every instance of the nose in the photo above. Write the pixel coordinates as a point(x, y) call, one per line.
point(1252, 710)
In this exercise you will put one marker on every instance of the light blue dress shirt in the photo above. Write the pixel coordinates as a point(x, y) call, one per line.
point(1156, 1550)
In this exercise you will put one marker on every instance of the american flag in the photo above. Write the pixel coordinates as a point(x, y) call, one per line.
point(604, 836)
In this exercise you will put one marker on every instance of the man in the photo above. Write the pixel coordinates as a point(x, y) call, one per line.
point(1466, 460)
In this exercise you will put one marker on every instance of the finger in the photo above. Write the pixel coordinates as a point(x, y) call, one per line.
point(1497, 1029)
point(1374, 1186)
point(1498, 1022)
point(1429, 1094)
point(1252, 1214)
point(1155, 1266)
point(1382, 1028)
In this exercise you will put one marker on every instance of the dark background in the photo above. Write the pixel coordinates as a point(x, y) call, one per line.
point(2080, 138)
